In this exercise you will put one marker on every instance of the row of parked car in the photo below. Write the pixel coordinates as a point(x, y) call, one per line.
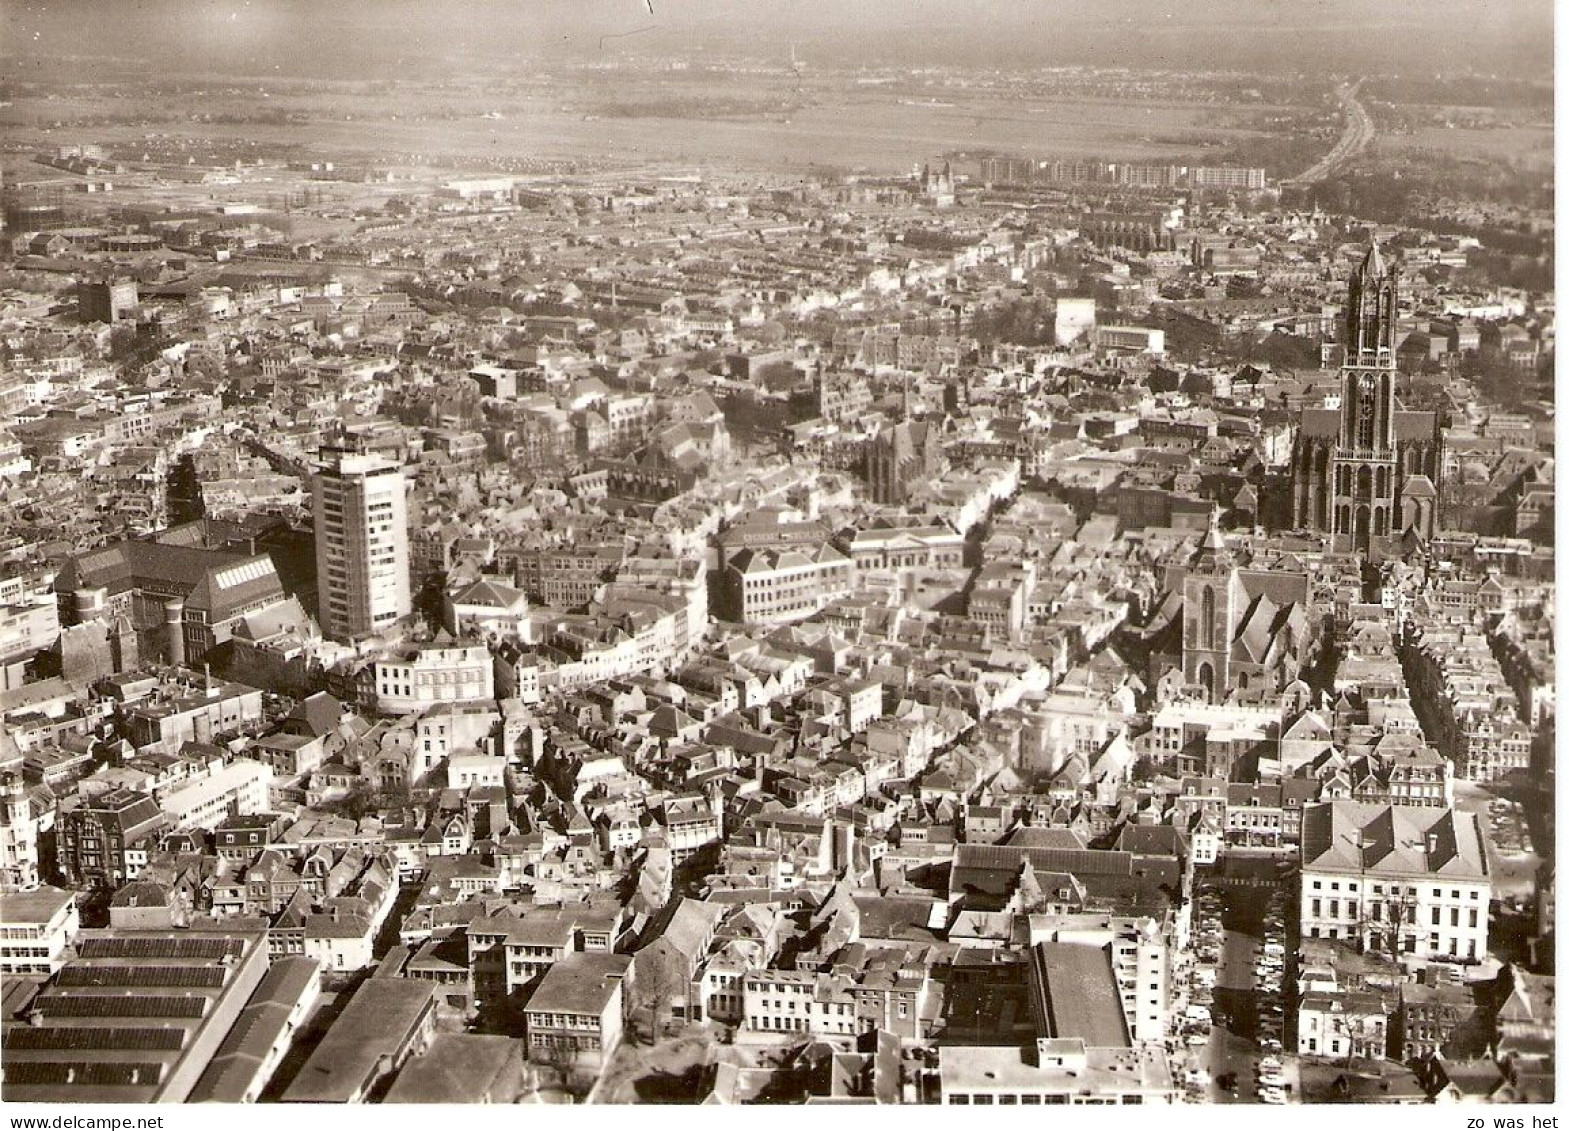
point(1507, 825)
point(1269, 979)
point(1208, 938)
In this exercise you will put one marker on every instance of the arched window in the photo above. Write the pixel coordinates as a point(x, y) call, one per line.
point(1365, 410)
point(1207, 618)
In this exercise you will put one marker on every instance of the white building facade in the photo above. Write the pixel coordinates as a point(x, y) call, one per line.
point(1410, 882)
point(362, 546)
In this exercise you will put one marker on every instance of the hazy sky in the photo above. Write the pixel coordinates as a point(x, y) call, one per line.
point(358, 37)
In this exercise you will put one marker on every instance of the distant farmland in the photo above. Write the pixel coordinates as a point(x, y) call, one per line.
point(879, 133)
point(1532, 145)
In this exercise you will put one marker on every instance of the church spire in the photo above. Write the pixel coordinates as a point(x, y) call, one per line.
point(1373, 262)
point(1213, 539)
point(1213, 553)
point(1371, 308)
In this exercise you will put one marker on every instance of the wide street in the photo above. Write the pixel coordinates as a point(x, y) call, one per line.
point(1513, 867)
point(1354, 138)
point(1231, 1048)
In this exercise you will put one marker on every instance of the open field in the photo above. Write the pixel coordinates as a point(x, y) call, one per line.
point(1530, 144)
point(842, 130)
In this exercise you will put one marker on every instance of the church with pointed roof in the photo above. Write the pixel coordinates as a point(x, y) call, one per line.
point(1242, 630)
point(1368, 473)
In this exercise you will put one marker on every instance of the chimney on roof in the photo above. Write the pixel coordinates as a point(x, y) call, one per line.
point(174, 628)
point(1432, 844)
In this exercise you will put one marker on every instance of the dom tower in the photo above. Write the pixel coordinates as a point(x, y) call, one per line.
point(1368, 474)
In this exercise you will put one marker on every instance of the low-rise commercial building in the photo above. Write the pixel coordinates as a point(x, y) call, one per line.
point(237, 790)
point(428, 674)
point(577, 1009)
point(777, 586)
point(387, 1021)
point(36, 927)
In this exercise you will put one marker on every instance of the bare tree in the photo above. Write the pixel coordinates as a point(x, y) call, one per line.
point(658, 983)
point(561, 1059)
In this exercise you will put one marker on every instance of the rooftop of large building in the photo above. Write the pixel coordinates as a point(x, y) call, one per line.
point(382, 1015)
point(1393, 840)
point(245, 1052)
point(33, 908)
point(1000, 1069)
point(134, 1018)
point(1079, 998)
point(460, 1068)
point(579, 983)
point(217, 582)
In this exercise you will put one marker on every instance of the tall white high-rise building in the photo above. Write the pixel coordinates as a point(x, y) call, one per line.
point(362, 545)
